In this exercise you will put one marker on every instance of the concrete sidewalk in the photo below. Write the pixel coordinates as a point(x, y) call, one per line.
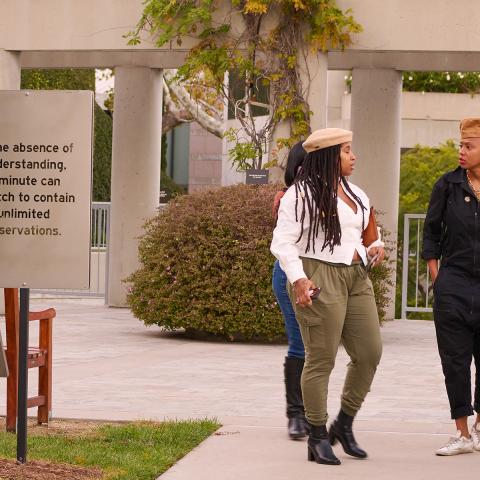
point(260, 453)
point(107, 365)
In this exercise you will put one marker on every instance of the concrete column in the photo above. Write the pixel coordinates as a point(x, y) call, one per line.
point(376, 118)
point(337, 89)
point(9, 70)
point(136, 153)
point(9, 80)
point(277, 174)
point(313, 71)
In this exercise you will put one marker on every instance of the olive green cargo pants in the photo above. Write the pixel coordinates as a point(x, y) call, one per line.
point(344, 312)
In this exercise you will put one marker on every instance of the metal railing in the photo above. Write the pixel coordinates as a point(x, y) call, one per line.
point(416, 295)
point(100, 228)
point(100, 224)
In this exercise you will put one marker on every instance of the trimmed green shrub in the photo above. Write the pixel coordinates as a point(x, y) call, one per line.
point(444, 82)
point(102, 155)
point(206, 265)
point(439, 82)
point(59, 79)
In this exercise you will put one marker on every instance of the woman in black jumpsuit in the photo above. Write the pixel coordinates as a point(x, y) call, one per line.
point(452, 234)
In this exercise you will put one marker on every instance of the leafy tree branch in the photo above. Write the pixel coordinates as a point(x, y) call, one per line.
point(261, 43)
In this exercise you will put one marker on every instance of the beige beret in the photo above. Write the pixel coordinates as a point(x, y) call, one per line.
point(470, 128)
point(327, 137)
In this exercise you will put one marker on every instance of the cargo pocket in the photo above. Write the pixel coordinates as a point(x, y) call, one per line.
point(313, 330)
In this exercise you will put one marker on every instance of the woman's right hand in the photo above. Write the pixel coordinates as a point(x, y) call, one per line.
point(433, 269)
point(302, 289)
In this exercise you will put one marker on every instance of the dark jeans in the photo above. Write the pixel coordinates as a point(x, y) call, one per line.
point(456, 313)
point(279, 285)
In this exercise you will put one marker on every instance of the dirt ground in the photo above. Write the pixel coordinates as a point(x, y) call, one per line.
point(35, 470)
point(38, 470)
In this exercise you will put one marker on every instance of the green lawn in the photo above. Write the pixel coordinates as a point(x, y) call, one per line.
point(139, 450)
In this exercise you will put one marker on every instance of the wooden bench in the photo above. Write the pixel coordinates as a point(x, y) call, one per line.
point(38, 357)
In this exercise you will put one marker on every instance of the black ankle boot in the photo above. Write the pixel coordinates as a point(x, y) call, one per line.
point(341, 429)
point(297, 428)
point(297, 424)
point(319, 448)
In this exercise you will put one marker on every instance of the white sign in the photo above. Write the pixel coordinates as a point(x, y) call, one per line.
point(45, 185)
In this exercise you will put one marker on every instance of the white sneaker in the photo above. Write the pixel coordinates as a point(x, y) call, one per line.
point(456, 445)
point(475, 433)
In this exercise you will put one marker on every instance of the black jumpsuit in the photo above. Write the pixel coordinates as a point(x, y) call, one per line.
point(452, 234)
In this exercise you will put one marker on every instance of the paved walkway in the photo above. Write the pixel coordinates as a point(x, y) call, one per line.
point(107, 365)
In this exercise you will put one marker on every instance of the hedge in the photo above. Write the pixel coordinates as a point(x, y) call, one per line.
point(102, 155)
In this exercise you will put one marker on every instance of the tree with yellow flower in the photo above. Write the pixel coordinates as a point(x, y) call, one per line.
point(257, 44)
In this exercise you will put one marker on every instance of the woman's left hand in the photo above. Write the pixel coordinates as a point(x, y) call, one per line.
point(380, 251)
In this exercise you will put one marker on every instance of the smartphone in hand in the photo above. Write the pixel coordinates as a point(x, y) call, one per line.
point(371, 262)
point(314, 293)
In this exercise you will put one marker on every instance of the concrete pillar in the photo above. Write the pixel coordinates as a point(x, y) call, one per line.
point(9, 80)
point(337, 88)
point(312, 68)
point(313, 71)
point(376, 118)
point(136, 153)
point(9, 70)
point(277, 174)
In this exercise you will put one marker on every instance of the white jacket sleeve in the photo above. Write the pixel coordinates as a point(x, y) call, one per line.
point(284, 243)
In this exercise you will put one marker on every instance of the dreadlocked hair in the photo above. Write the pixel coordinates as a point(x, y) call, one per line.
point(317, 184)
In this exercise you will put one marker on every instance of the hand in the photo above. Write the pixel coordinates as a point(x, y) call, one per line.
point(276, 203)
point(380, 251)
point(302, 289)
point(433, 269)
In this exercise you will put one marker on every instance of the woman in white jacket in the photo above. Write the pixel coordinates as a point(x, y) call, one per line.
point(318, 241)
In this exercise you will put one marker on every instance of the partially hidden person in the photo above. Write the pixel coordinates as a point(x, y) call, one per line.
point(295, 359)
